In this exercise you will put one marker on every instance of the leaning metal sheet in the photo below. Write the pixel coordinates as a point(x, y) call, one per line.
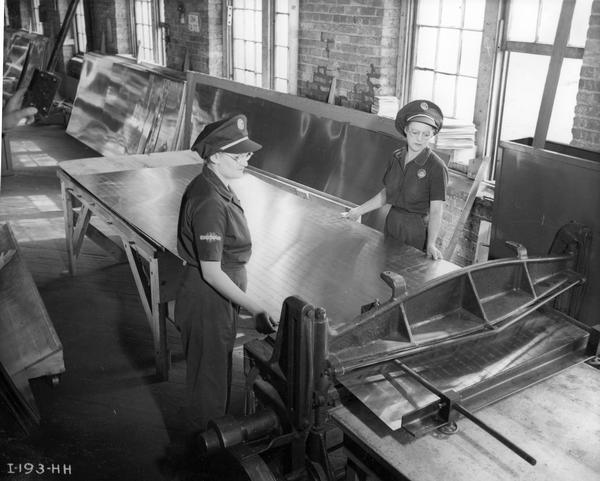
point(300, 246)
point(125, 108)
point(465, 366)
point(24, 48)
point(85, 122)
point(328, 155)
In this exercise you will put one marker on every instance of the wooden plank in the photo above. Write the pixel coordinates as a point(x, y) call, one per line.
point(466, 211)
point(81, 225)
point(16, 412)
point(556, 60)
point(29, 345)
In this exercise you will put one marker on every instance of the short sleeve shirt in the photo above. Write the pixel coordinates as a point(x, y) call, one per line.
point(212, 225)
point(413, 186)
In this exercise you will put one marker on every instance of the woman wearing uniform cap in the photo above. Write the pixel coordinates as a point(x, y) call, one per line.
point(214, 240)
point(414, 182)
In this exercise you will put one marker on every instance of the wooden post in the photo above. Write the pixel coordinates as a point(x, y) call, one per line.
point(556, 60)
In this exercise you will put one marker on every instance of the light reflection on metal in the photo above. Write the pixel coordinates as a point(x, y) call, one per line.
point(127, 108)
point(23, 48)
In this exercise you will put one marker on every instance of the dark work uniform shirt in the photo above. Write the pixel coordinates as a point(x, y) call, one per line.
point(212, 224)
point(413, 186)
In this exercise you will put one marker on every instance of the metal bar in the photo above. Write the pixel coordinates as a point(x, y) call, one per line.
point(340, 368)
point(64, 28)
point(466, 211)
point(465, 412)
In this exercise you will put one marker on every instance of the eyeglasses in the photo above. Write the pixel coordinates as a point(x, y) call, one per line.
point(240, 158)
point(420, 135)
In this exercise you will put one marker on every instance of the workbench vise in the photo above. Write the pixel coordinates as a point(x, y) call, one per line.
point(288, 393)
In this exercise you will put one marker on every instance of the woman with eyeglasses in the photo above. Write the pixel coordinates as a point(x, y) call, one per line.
point(214, 240)
point(414, 182)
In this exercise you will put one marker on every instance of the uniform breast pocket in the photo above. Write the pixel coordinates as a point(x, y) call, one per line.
point(418, 190)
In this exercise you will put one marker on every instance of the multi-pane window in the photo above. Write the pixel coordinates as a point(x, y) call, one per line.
point(148, 14)
point(79, 26)
point(247, 41)
point(35, 18)
point(448, 37)
point(261, 43)
point(530, 35)
point(281, 46)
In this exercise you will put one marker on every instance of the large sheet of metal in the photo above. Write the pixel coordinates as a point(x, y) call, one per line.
point(127, 108)
point(538, 191)
point(471, 367)
point(300, 246)
point(329, 155)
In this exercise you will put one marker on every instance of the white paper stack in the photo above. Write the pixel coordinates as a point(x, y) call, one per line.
point(386, 106)
point(455, 134)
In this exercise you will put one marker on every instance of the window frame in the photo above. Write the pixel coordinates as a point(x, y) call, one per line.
point(268, 43)
point(157, 23)
point(80, 12)
point(483, 114)
point(36, 24)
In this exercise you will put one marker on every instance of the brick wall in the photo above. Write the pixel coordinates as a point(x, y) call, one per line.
point(205, 48)
point(586, 125)
point(355, 41)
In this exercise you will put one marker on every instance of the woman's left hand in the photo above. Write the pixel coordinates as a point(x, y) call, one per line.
point(434, 252)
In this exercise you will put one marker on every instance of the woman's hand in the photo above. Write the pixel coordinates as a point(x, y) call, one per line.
point(264, 323)
point(352, 214)
point(434, 252)
point(13, 114)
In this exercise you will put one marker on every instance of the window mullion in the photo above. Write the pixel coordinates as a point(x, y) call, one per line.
point(268, 22)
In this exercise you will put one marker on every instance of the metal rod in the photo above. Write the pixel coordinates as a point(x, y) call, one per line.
point(62, 35)
point(465, 412)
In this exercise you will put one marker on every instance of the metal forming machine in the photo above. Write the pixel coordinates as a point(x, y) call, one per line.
point(417, 361)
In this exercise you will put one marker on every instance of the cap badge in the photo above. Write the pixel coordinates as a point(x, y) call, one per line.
point(240, 124)
point(424, 106)
point(421, 173)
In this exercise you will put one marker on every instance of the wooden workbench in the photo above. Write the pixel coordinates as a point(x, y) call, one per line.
point(301, 245)
point(557, 421)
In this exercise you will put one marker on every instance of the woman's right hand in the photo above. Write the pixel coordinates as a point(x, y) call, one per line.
point(352, 214)
point(264, 323)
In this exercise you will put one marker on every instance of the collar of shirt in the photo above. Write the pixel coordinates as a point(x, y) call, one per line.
point(219, 186)
point(420, 159)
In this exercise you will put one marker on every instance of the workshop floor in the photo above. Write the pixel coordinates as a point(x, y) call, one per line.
point(109, 418)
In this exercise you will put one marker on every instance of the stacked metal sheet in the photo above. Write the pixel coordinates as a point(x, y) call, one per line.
point(24, 53)
point(126, 108)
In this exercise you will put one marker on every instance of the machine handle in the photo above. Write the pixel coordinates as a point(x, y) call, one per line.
point(464, 411)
